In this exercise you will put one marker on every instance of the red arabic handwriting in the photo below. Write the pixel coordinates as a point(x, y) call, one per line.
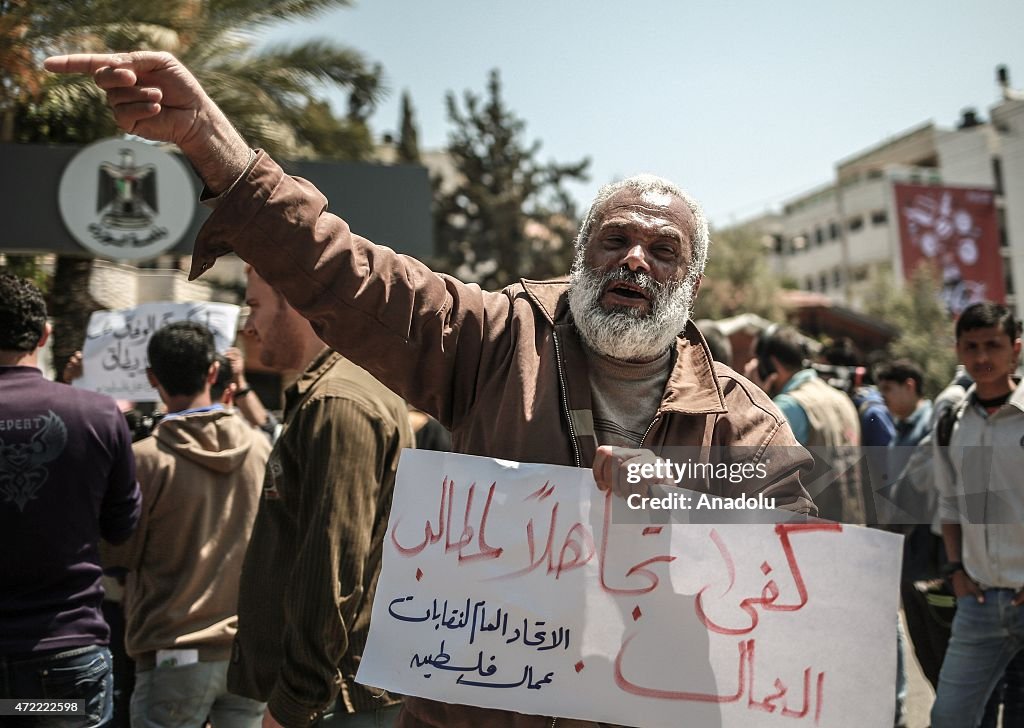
point(444, 527)
point(745, 684)
point(768, 600)
point(564, 548)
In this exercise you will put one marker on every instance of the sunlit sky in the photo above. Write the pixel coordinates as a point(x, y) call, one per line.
point(744, 104)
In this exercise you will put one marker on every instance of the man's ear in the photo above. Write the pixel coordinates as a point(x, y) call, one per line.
point(152, 379)
point(696, 286)
point(47, 330)
point(212, 372)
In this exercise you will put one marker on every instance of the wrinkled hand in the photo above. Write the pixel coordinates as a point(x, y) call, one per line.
point(612, 465)
point(152, 94)
point(73, 369)
point(751, 373)
point(964, 585)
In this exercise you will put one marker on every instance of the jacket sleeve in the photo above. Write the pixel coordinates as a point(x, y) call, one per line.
point(348, 451)
point(945, 476)
point(418, 332)
point(119, 513)
point(755, 431)
point(784, 458)
point(127, 553)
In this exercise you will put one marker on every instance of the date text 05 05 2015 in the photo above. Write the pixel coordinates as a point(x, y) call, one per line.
point(64, 706)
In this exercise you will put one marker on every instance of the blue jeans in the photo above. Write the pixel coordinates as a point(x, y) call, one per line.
point(187, 695)
point(378, 718)
point(984, 639)
point(81, 672)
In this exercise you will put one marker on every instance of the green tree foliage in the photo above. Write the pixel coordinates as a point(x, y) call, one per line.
point(738, 278)
point(408, 136)
point(264, 91)
point(509, 215)
point(333, 137)
point(26, 266)
point(926, 330)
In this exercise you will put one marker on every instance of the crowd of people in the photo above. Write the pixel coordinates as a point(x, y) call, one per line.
point(249, 549)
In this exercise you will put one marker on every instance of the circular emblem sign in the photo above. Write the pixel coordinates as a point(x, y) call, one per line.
point(126, 200)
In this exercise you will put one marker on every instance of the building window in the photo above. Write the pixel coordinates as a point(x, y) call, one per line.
point(855, 223)
point(997, 174)
point(809, 284)
point(833, 231)
point(879, 217)
point(837, 278)
point(819, 236)
point(824, 282)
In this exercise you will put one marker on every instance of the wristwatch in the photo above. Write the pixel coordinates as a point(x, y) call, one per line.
point(951, 568)
point(242, 392)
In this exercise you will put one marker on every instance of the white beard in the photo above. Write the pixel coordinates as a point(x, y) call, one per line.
point(623, 332)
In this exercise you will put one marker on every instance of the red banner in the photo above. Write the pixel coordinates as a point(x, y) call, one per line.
point(957, 230)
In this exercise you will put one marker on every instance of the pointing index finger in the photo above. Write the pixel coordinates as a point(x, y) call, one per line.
point(85, 62)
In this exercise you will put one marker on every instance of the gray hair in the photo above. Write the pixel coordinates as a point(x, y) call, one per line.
point(644, 184)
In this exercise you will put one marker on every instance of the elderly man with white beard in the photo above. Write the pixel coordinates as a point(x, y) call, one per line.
point(601, 370)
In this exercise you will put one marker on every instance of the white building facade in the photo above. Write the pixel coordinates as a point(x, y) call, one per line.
point(838, 238)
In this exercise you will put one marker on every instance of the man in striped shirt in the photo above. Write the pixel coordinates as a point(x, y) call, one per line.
point(309, 574)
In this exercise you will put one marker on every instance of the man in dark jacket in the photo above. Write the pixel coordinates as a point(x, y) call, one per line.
point(311, 568)
point(67, 477)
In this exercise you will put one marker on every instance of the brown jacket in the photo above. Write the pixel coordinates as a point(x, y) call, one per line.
point(506, 372)
point(312, 565)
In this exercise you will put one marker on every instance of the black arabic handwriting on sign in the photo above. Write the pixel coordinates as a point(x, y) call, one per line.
point(133, 326)
point(441, 660)
point(476, 617)
point(124, 357)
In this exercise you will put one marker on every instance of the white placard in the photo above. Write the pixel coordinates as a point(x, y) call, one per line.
point(512, 586)
point(114, 353)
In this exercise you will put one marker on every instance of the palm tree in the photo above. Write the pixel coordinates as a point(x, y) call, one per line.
point(263, 90)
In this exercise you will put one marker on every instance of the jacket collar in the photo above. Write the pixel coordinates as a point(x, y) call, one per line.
point(296, 393)
point(1016, 396)
point(692, 387)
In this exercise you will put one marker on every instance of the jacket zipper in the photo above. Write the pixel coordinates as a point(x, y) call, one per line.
point(565, 405)
point(553, 721)
point(649, 428)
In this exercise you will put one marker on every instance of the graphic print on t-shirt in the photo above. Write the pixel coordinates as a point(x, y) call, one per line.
point(23, 468)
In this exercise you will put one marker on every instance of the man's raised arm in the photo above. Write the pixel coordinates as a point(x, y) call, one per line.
point(154, 96)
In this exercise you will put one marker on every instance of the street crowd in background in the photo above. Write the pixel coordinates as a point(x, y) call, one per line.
point(243, 545)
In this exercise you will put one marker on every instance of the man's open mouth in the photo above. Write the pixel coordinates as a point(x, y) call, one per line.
point(628, 290)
